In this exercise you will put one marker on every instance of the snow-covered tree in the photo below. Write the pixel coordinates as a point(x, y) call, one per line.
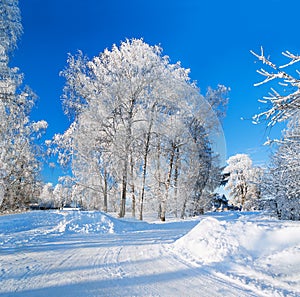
point(10, 25)
point(19, 165)
point(254, 195)
point(282, 180)
point(243, 182)
point(132, 132)
point(197, 177)
point(46, 199)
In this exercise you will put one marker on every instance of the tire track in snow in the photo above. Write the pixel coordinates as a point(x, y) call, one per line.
point(109, 262)
point(163, 274)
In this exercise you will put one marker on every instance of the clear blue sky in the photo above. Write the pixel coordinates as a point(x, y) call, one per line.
point(212, 38)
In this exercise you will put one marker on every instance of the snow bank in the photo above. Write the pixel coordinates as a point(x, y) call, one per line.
point(57, 222)
point(208, 242)
point(216, 239)
point(245, 246)
point(86, 222)
point(39, 226)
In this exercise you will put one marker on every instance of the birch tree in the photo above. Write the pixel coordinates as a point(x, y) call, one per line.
point(131, 110)
point(118, 84)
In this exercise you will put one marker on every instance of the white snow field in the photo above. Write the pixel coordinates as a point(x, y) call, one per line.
point(73, 253)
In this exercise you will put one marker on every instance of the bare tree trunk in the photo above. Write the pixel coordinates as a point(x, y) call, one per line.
point(159, 210)
point(124, 191)
point(105, 192)
point(133, 200)
point(167, 185)
point(244, 191)
point(158, 179)
point(278, 211)
point(143, 185)
point(176, 173)
point(145, 169)
point(183, 209)
point(128, 139)
point(146, 153)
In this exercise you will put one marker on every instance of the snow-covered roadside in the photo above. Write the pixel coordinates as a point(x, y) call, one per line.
point(250, 248)
point(72, 253)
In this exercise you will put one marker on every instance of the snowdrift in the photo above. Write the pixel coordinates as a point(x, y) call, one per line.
point(216, 240)
point(245, 245)
point(29, 227)
point(57, 222)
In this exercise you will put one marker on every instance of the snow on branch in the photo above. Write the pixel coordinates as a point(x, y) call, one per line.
point(284, 103)
point(294, 59)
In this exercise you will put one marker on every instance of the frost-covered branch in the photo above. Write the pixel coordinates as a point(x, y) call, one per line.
point(284, 103)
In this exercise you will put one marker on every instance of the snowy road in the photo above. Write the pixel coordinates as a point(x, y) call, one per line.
point(48, 259)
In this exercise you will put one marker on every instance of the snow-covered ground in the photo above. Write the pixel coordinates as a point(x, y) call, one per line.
point(73, 253)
